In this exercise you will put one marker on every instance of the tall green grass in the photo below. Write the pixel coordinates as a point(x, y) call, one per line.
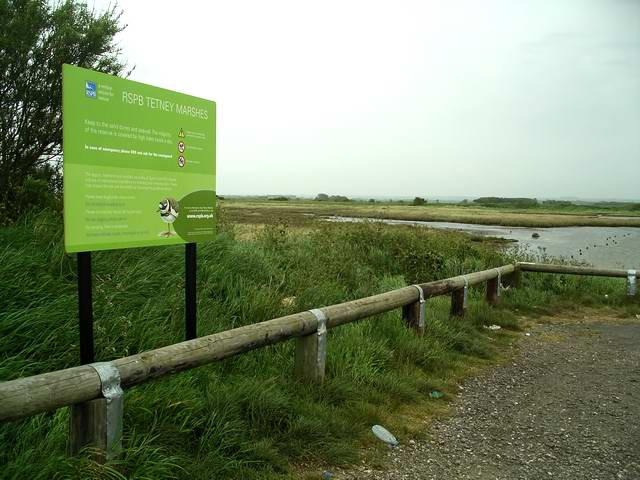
point(246, 417)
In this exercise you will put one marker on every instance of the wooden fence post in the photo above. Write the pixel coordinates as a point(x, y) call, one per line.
point(311, 351)
point(414, 314)
point(457, 303)
point(493, 291)
point(98, 423)
point(514, 280)
point(631, 283)
point(459, 299)
point(88, 426)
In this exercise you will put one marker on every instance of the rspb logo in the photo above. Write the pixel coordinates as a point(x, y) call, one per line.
point(90, 89)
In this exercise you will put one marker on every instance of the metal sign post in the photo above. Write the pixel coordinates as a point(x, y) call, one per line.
point(191, 326)
point(85, 304)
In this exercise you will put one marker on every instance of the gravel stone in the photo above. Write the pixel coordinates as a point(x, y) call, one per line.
point(566, 407)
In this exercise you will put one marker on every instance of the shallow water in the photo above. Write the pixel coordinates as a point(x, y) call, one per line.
point(605, 247)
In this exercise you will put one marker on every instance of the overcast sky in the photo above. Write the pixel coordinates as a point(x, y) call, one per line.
point(457, 98)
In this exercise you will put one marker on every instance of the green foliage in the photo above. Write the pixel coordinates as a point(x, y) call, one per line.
point(557, 203)
point(36, 38)
point(419, 201)
point(245, 417)
point(323, 197)
point(506, 202)
point(35, 193)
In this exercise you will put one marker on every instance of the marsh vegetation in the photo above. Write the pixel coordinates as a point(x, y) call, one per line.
point(297, 211)
point(246, 417)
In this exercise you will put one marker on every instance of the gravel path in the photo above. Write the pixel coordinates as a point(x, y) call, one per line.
point(566, 407)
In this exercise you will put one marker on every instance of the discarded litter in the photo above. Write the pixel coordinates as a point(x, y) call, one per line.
point(327, 475)
point(493, 327)
point(288, 301)
point(528, 334)
point(436, 394)
point(385, 435)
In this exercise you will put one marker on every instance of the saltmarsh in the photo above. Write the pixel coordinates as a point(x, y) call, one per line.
point(299, 211)
point(247, 417)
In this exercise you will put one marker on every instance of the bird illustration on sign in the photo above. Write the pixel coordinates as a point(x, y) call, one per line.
point(169, 211)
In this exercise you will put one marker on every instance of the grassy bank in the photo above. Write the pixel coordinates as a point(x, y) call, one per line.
point(246, 417)
point(302, 212)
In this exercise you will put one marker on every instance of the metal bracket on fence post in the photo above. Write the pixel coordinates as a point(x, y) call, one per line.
point(321, 332)
point(499, 282)
point(114, 397)
point(631, 282)
point(466, 292)
point(421, 319)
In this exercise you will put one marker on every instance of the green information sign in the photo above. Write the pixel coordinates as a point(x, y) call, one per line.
point(139, 164)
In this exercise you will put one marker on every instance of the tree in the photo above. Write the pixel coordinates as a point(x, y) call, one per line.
point(36, 38)
point(323, 197)
point(419, 201)
point(507, 201)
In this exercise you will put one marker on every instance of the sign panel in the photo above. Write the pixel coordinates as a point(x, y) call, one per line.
point(139, 164)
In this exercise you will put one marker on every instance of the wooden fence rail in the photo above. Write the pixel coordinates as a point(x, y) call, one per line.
point(79, 386)
point(571, 270)
point(30, 395)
